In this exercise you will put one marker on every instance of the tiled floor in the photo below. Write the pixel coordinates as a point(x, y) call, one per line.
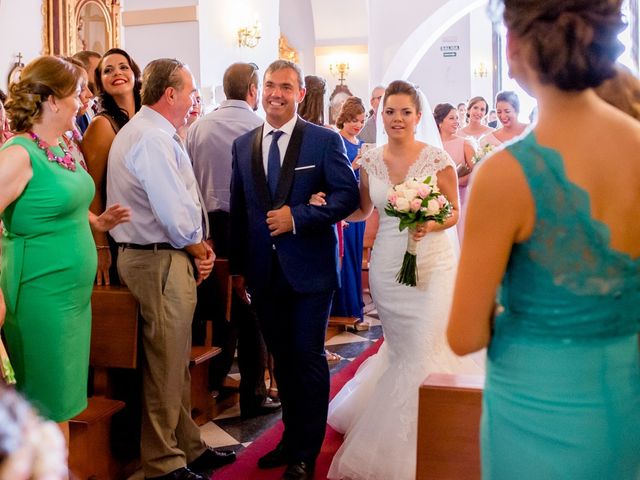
point(229, 431)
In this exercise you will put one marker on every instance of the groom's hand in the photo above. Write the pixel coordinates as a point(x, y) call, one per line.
point(280, 221)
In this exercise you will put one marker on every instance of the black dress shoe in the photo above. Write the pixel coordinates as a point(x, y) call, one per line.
point(211, 459)
point(275, 458)
point(298, 471)
point(268, 406)
point(179, 474)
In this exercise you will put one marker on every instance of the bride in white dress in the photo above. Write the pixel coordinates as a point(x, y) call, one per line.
point(378, 409)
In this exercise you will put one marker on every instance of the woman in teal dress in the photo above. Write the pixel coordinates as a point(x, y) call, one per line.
point(48, 252)
point(554, 218)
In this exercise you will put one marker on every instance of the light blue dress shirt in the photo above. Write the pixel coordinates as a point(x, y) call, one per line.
point(151, 173)
point(209, 144)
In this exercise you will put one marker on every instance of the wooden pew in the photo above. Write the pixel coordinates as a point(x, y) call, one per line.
point(448, 427)
point(202, 403)
point(114, 344)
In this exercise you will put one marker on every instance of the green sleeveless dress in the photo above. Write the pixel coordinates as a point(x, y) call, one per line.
point(562, 395)
point(47, 271)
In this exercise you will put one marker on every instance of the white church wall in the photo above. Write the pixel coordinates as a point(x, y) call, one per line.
point(21, 26)
point(296, 24)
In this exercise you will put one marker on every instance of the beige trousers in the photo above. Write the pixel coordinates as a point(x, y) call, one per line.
point(162, 281)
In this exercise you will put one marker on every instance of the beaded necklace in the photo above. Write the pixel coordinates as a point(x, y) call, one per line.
point(66, 161)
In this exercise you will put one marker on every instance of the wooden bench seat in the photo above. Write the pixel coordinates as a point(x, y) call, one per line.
point(89, 444)
point(344, 322)
point(449, 427)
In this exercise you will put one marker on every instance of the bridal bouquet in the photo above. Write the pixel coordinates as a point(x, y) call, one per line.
point(6, 370)
point(464, 169)
point(415, 202)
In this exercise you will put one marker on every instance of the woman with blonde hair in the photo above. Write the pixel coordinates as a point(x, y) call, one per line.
point(552, 224)
point(48, 254)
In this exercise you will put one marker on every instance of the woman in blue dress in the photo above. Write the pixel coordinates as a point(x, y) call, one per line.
point(347, 300)
point(553, 217)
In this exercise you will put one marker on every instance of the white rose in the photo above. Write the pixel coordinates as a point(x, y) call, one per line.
point(402, 204)
point(433, 207)
point(410, 194)
point(414, 184)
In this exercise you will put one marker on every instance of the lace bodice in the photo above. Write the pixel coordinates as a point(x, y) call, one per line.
point(430, 161)
point(565, 281)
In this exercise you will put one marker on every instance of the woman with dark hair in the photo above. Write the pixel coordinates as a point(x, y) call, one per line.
point(118, 81)
point(48, 254)
point(378, 408)
point(553, 221)
point(476, 111)
point(312, 106)
point(508, 109)
point(459, 148)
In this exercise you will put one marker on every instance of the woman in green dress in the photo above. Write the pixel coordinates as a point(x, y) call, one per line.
point(48, 252)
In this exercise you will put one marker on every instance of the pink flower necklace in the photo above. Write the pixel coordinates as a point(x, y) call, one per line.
point(66, 161)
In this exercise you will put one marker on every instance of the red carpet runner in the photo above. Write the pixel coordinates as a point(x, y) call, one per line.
point(245, 468)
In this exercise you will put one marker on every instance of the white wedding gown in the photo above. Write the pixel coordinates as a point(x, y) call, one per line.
point(378, 409)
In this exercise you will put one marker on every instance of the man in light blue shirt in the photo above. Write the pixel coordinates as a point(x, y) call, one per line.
point(149, 169)
point(209, 145)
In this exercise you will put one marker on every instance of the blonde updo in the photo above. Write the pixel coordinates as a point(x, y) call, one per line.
point(41, 78)
point(573, 43)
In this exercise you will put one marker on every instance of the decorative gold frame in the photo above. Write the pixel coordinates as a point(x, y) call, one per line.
point(61, 21)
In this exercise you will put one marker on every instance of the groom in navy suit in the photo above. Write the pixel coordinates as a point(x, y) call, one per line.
point(286, 250)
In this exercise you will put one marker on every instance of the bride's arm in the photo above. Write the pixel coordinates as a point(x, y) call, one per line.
point(366, 205)
point(447, 180)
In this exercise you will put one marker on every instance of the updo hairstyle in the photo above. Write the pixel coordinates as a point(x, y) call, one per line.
point(401, 87)
point(509, 97)
point(351, 108)
point(475, 100)
point(311, 108)
point(41, 78)
point(573, 44)
point(441, 112)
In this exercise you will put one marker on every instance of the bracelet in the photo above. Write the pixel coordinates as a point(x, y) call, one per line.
point(101, 247)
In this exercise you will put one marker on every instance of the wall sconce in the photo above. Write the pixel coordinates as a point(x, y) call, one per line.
point(340, 70)
point(249, 36)
point(481, 70)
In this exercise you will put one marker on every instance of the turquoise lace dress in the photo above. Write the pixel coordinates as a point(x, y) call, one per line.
point(562, 397)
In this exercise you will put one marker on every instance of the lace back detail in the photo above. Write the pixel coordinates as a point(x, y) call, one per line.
point(430, 161)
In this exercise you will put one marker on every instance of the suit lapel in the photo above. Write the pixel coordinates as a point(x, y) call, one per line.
point(257, 170)
point(289, 164)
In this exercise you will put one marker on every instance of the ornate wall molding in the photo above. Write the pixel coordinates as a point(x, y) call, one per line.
point(62, 20)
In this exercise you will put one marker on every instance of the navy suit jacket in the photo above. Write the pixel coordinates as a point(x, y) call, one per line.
point(315, 161)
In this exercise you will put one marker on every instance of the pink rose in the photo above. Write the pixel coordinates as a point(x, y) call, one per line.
point(393, 197)
point(424, 191)
point(416, 203)
point(442, 201)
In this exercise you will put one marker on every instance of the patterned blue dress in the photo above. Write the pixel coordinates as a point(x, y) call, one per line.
point(562, 396)
point(347, 300)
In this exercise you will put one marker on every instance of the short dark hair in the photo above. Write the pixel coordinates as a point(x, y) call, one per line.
point(282, 64)
point(237, 79)
point(159, 75)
